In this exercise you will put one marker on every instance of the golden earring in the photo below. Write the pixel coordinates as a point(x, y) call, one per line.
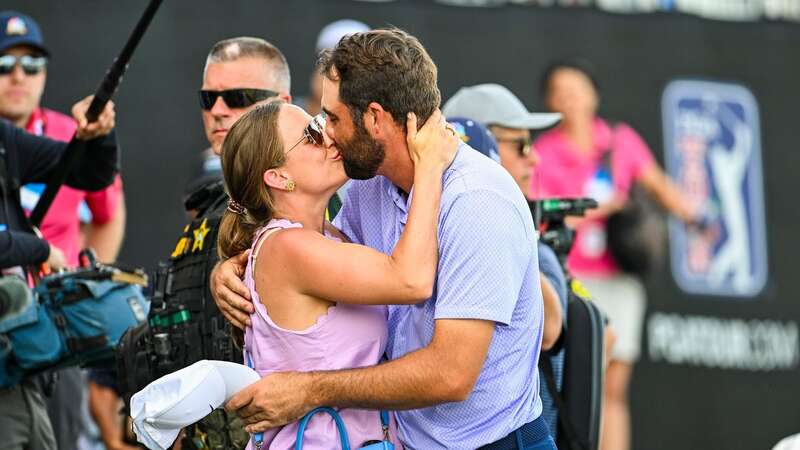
point(289, 186)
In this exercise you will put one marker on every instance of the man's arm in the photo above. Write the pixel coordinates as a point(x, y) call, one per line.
point(229, 291)
point(553, 319)
point(658, 184)
point(18, 248)
point(38, 156)
point(554, 294)
point(444, 371)
point(481, 232)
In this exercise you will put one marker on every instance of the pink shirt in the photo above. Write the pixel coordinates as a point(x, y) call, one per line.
point(566, 171)
point(348, 336)
point(61, 225)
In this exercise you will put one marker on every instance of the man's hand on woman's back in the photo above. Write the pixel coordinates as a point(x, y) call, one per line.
point(229, 291)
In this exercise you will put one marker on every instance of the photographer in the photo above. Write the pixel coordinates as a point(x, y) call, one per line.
point(510, 123)
point(24, 159)
point(586, 156)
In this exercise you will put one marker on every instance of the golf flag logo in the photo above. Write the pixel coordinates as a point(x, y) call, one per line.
point(713, 151)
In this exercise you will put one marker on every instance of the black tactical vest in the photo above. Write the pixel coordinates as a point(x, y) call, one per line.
point(185, 323)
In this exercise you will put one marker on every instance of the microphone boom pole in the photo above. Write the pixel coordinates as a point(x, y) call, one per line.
point(102, 95)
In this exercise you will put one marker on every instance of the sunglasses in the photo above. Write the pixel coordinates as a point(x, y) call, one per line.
point(235, 98)
point(312, 133)
point(523, 144)
point(31, 65)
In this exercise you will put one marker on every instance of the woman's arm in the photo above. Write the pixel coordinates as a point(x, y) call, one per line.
point(354, 273)
point(658, 184)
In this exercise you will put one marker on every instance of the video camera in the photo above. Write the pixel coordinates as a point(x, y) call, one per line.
point(581, 393)
point(549, 215)
point(70, 318)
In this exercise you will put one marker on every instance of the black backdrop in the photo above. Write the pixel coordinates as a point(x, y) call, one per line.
point(636, 55)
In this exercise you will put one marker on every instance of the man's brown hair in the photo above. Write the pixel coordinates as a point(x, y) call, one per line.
point(389, 67)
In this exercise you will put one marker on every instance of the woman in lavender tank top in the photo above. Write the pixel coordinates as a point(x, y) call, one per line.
point(319, 299)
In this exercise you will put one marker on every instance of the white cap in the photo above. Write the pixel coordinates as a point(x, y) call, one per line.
point(330, 35)
point(493, 104)
point(789, 443)
point(179, 399)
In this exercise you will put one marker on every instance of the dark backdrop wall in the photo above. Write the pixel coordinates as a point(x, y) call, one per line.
point(674, 406)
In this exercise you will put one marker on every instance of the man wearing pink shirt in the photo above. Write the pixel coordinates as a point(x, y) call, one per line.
point(23, 73)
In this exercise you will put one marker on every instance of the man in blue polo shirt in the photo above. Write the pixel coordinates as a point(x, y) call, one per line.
point(508, 119)
point(463, 371)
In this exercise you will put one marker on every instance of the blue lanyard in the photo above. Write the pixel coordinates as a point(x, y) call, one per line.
point(258, 438)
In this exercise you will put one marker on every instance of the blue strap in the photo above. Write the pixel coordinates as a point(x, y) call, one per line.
point(301, 428)
point(385, 418)
point(258, 438)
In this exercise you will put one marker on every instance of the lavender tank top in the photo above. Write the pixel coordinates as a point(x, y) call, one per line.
point(347, 336)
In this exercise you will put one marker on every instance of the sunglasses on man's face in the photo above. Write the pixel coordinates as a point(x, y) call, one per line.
point(523, 145)
point(235, 98)
point(31, 65)
point(312, 133)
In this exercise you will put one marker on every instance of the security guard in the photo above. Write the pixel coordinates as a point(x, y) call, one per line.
point(185, 325)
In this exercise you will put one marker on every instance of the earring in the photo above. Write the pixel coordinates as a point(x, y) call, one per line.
point(289, 186)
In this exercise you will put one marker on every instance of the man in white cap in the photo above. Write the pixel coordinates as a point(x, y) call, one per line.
point(508, 119)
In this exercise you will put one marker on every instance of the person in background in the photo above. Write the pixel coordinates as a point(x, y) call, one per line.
point(77, 218)
point(23, 75)
point(572, 165)
point(506, 115)
point(26, 158)
point(328, 37)
point(509, 121)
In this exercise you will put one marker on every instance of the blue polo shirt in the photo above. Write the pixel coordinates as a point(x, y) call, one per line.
point(487, 270)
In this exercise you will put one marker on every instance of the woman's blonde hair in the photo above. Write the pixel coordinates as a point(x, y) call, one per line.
point(252, 146)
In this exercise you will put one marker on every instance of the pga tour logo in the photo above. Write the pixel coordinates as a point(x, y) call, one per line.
point(713, 152)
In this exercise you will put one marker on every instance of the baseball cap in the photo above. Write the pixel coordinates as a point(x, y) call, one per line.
point(181, 398)
point(476, 136)
point(19, 29)
point(330, 35)
point(493, 104)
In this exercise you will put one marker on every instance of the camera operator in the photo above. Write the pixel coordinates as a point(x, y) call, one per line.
point(510, 124)
point(26, 158)
point(604, 161)
point(21, 90)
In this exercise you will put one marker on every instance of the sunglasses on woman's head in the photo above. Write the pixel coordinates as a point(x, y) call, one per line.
point(313, 132)
point(235, 98)
point(31, 65)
